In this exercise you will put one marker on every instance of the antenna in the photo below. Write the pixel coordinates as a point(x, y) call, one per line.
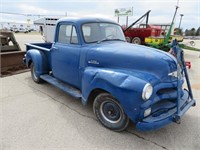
point(177, 2)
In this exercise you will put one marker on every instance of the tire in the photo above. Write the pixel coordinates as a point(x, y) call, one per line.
point(33, 74)
point(136, 40)
point(128, 39)
point(110, 113)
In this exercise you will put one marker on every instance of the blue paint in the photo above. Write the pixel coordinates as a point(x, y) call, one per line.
point(65, 87)
point(117, 67)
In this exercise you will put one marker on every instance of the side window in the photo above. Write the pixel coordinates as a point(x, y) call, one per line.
point(67, 34)
point(74, 38)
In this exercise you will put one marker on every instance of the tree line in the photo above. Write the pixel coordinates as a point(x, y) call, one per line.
point(192, 32)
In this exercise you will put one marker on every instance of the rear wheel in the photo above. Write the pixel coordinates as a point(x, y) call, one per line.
point(136, 40)
point(110, 113)
point(34, 76)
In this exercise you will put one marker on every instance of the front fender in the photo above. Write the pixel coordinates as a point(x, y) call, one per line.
point(125, 88)
point(39, 59)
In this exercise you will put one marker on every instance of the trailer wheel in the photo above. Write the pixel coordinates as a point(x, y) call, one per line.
point(110, 113)
point(128, 39)
point(35, 77)
point(136, 40)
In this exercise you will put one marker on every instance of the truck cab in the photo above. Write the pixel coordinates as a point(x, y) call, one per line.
point(91, 60)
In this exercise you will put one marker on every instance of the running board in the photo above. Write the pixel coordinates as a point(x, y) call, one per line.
point(61, 85)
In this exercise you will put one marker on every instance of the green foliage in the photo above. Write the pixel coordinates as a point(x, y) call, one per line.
point(188, 47)
point(198, 32)
point(192, 32)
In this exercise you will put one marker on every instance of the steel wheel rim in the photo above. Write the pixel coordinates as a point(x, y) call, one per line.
point(111, 112)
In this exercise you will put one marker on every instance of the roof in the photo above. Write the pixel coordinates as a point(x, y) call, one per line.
point(44, 20)
point(85, 20)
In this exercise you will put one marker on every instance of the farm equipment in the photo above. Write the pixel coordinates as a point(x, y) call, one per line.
point(8, 42)
point(11, 54)
point(138, 35)
point(163, 44)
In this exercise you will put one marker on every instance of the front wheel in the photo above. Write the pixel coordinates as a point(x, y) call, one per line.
point(35, 77)
point(128, 39)
point(110, 113)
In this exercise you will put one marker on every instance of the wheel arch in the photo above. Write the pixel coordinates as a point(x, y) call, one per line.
point(120, 86)
point(94, 93)
point(29, 63)
point(39, 59)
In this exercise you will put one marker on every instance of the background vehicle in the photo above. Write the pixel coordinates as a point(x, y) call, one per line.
point(91, 61)
point(47, 27)
point(137, 35)
point(23, 30)
point(154, 35)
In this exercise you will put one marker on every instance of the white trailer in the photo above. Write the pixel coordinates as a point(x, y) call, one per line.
point(47, 27)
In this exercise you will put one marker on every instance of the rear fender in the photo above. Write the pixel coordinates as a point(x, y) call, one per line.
point(39, 59)
point(125, 88)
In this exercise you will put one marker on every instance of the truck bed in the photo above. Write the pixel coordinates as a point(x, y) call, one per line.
point(44, 47)
point(39, 46)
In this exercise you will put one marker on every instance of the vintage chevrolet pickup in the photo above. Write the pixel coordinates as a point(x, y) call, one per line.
point(91, 60)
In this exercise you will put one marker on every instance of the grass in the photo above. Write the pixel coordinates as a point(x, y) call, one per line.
point(188, 47)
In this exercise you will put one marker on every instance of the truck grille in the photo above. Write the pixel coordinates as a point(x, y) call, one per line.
point(166, 91)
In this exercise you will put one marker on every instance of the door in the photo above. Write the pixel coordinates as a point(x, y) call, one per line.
point(65, 55)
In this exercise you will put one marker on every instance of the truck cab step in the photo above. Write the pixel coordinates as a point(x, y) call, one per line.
point(61, 85)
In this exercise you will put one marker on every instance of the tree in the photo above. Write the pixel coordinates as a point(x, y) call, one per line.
point(198, 32)
point(186, 32)
point(192, 32)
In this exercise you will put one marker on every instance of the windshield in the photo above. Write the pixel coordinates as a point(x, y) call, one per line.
point(98, 32)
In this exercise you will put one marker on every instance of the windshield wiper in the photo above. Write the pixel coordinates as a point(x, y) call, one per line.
point(118, 40)
point(107, 39)
point(110, 40)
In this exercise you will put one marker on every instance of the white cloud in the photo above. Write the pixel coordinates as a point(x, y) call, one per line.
point(28, 9)
point(33, 10)
point(161, 10)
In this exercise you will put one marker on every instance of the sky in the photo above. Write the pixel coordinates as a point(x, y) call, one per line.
point(162, 11)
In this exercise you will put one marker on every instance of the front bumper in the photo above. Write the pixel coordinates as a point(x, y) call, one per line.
point(160, 119)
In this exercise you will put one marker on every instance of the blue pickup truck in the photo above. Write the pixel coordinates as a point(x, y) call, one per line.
point(91, 60)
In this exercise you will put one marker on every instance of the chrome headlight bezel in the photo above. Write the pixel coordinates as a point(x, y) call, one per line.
point(173, 74)
point(147, 91)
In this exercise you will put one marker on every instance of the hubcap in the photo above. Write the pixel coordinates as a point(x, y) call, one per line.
point(111, 112)
point(136, 42)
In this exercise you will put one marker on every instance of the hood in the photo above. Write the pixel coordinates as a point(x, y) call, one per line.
point(136, 59)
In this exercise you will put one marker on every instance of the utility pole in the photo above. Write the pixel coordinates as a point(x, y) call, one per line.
point(180, 20)
point(179, 29)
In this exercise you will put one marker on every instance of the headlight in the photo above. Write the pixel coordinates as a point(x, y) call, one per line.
point(147, 91)
point(173, 74)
